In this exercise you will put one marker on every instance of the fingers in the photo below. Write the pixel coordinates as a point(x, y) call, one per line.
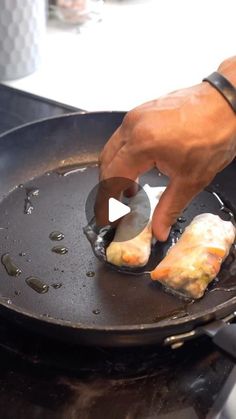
point(128, 193)
point(117, 177)
point(111, 148)
point(173, 201)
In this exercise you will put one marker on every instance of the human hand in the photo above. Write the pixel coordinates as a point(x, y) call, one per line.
point(189, 135)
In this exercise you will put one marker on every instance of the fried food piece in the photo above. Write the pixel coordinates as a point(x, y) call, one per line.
point(195, 260)
point(136, 251)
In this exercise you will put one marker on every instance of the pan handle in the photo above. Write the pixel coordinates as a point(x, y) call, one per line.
point(223, 335)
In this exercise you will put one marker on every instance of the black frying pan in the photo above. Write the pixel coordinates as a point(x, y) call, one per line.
point(105, 308)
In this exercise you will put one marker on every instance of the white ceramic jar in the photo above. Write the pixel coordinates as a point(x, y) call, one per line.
point(22, 28)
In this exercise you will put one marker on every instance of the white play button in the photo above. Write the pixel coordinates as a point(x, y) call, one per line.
point(116, 210)
point(102, 208)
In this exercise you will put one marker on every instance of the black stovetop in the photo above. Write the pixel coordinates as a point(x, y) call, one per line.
point(41, 378)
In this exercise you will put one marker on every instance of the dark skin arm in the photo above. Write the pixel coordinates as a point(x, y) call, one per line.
point(189, 135)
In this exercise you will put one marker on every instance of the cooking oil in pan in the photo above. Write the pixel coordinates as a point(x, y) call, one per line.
point(10, 267)
point(56, 236)
point(97, 311)
point(90, 274)
point(56, 286)
point(6, 300)
point(28, 207)
point(37, 284)
point(60, 250)
point(181, 220)
point(66, 172)
point(74, 168)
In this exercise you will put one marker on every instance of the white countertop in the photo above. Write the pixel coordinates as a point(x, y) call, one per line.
point(141, 50)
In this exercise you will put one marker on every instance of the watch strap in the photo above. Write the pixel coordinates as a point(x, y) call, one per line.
point(224, 87)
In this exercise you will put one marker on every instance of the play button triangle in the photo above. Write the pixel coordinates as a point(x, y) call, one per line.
point(116, 210)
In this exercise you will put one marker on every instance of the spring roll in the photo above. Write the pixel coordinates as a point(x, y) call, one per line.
point(136, 251)
point(195, 260)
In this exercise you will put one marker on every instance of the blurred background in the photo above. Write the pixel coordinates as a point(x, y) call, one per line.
point(114, 55)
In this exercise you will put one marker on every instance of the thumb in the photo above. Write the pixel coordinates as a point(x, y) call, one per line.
point(176, 197)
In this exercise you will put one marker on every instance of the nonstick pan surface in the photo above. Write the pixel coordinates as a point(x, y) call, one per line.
point(86, 301)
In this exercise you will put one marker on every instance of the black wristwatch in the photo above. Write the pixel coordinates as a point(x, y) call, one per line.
point(224, 87)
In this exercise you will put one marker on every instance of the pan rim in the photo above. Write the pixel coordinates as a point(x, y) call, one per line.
point(65, 115)
point(208, 315)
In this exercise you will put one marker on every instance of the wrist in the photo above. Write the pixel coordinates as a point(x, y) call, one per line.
point(224, 82)
point(228, 69)
point(219, 112)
